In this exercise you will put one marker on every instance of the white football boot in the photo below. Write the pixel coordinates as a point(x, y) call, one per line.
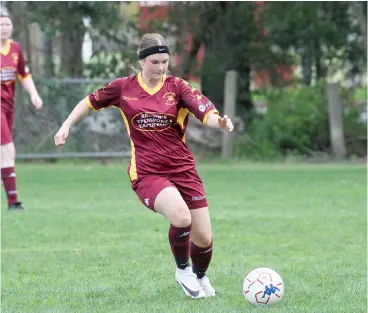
point(206, 286)
point(188, 281)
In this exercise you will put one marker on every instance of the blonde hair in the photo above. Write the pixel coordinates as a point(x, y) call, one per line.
point(151, 40)
point(147, 41)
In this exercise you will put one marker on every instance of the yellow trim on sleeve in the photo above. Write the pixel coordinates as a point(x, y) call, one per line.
point(90, 104)
point(182, 114)
point(22, 79)
point(133, 165)
point(205, 118)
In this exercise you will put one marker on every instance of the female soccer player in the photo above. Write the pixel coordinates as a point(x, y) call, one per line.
point(12, 65)
point(155, 108)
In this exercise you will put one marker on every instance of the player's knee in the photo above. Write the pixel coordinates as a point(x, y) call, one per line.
point(12, 151)
point(181, 218)
point(7, 155)
point(204, 239)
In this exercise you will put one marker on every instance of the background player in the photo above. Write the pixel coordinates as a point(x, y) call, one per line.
point(155, 109)
point(12, 66)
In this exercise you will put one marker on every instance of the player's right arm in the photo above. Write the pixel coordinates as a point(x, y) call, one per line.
point(26, 80)
point(100, 99)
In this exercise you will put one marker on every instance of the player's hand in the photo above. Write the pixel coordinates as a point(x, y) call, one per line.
point(36, 101)
point(61, 135)
point(226, 123)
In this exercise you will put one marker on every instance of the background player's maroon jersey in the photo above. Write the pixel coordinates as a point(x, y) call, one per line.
point(156, 120)
point(12, 65)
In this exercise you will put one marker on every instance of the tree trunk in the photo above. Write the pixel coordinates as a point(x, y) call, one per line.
point(306, 68)
point(245, 97)
point(71, 50)
point(49, 58)
point(21, 27)
point(320, 73)
point(27, 33)
point(187, 63)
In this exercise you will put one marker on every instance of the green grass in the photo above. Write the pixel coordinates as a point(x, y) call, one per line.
point(87, 244)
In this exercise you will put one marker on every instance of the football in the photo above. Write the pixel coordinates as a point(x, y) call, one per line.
point(263, 286)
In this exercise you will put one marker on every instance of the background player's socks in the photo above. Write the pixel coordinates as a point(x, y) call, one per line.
point(8, 178)
point(179, 238)
point(201, 258)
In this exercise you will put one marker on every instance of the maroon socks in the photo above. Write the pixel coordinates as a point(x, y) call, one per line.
point(201, 259)
point(8, 178)
point(179, 239)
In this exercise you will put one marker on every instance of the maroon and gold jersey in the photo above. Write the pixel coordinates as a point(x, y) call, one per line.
point(156, 120)
point(12, 66)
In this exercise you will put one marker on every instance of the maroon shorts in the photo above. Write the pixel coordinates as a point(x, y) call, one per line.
point(188, 183)
point(6, 127)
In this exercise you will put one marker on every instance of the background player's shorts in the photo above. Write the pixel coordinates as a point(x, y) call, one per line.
point(188, 184)
point(6, 127)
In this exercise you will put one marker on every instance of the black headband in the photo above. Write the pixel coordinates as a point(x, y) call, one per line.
point(153, 50)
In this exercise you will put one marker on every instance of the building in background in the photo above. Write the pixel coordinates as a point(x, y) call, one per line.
point(157, 11)
point(153, 11)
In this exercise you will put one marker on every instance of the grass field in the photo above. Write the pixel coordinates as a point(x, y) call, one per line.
point(88, 245)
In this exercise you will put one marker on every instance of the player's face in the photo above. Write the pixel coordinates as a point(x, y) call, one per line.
point(6, 27)
point(155, 65)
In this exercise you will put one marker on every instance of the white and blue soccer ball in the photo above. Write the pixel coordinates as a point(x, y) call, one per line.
point(263, 286)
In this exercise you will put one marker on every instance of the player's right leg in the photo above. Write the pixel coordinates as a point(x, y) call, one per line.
point(160, 195)
point(191, 188)
point(170, 203)
point(8, 163)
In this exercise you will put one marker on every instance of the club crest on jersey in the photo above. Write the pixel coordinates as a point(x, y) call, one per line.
point(15, 57)
point(169, 98)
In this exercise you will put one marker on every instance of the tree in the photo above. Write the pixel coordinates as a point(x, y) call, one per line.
point(256, 36)
point(68, 19)
point(234, 38)
point(322, 34)
point(360, 12)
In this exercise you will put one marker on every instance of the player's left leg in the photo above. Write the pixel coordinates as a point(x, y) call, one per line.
point(190, 186)
point(161, 196)
point(8, 162)
point(201, 247)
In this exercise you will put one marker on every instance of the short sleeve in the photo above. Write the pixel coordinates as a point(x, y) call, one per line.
point(192, 99)
point(22, 68)
point(106, 96)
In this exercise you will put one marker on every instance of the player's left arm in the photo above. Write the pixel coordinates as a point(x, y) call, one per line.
point(216, 121)
point(27, 82)
point(202, 108)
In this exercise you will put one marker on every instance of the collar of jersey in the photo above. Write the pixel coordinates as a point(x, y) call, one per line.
point(150, 91)
point(6, 49)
